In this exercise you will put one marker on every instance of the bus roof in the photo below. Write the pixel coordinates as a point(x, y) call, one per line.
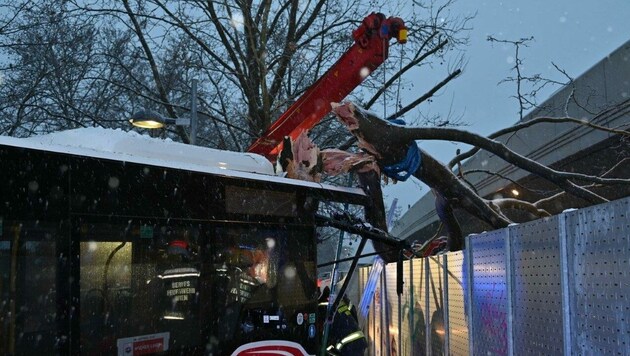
point(119, 145)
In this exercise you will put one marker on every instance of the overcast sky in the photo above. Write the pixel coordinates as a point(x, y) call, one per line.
point(574, 34)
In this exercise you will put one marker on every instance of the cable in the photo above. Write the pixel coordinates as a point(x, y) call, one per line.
point(402, 55)
point(109, 260)
point(384, 79)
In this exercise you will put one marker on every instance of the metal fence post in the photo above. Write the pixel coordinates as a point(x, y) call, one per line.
point(372, 315)
point(564, 282)
point(400, 290)
point(469, 293)
point(411, 309)
point(447, 332)
point(427, 315)
point(385, 307)
point(399, 346)
point(510, 290)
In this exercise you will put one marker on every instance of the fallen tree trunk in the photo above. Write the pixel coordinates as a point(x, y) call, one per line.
point(385, 142)
point(391, 148)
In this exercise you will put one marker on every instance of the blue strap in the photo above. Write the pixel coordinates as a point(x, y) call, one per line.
point(409, 165)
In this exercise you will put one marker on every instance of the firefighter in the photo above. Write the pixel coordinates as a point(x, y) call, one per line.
point(178, 279)
point(237, 276)
point(345, 336)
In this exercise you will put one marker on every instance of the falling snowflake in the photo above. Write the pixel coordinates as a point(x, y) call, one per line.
point(237, 21)
point(290, 272)
point(364, 72)
point(33, 186)
point(113, 182)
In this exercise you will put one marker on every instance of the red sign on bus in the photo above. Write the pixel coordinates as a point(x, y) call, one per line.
point(143, 345)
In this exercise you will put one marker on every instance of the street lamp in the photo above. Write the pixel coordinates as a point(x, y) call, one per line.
point(148, 119)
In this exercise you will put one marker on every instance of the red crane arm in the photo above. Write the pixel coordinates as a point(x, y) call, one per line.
point(366, 54)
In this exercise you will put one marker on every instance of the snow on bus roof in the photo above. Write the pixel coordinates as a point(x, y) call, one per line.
point(119, 145)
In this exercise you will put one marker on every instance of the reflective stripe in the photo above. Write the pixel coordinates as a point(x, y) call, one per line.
point(350, 338)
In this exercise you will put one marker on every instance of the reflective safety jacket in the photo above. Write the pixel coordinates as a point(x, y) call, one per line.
point(345, 337)
point(180, 291)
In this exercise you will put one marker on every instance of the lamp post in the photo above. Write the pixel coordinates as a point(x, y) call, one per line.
point(193, 113)
point(148, 119)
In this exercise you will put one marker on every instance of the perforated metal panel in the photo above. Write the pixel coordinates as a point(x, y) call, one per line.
point(458, 327)
point(436, 303)
point(378, 317)
point(564, 289)
point(407, 301)
point(363, 273)
point(361, 280)
point(366, 323)
point(390, 329)
point(371, 328)
point(418, 341)
point(599, 266)
point(536, 288)
point(489, 293)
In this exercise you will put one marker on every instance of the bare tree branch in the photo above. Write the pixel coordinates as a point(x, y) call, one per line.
point(537, 120)
point(406, 68)
point(426, 96)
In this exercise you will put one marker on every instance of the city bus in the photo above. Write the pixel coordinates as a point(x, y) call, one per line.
point(113, 242)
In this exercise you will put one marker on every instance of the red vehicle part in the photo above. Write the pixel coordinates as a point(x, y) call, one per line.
point(368, 52)
point(271, 348)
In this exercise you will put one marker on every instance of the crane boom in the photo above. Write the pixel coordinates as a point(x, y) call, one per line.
point(369, 51)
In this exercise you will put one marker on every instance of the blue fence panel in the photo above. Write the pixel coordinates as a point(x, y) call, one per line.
point(489, 293)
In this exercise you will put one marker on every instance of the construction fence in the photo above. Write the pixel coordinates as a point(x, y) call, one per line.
point(559, 285)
